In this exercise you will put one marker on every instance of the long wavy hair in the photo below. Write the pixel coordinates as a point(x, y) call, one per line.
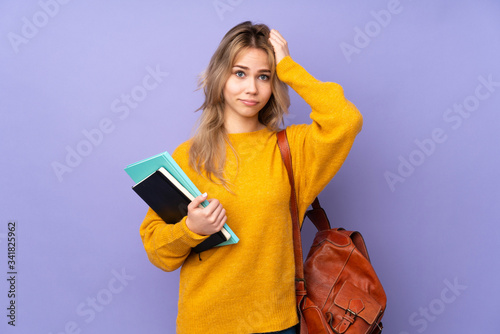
point(208, 146)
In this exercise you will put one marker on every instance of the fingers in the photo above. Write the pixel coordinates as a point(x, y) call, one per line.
point(215, 212)
point(197, 201)
point(277, 37)
point(221, 217)
point(205, 220)
point(279, 44)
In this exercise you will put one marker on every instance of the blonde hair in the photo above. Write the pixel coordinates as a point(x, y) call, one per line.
point(208, 146)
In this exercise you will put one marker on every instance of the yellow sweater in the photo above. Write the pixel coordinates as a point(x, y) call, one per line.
point(249, 287)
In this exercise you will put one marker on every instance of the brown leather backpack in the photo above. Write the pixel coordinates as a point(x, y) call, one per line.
point(337, 288)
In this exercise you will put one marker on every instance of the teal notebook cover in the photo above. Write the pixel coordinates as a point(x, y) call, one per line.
point(140, 170)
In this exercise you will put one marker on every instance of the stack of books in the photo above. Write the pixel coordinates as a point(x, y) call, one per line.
point(164, 186)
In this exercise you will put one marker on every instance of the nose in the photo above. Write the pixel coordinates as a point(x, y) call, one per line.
point(251, 86)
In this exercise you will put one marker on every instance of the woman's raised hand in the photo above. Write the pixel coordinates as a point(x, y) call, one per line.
point(207, 220)
point(279, 44)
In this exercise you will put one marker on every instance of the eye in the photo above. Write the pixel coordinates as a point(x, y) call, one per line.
point(264, 77)
point(240, 74)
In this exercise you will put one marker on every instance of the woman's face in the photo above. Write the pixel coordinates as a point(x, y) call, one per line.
point(248, 88)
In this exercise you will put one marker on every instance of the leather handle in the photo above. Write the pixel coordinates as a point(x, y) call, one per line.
point(318, 216)
point(294, 210)
point(358, 241)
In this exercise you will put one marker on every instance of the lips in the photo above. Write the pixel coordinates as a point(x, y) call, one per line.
point(249, 103)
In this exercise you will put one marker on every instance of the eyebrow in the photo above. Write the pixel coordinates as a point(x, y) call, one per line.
point(247, 68)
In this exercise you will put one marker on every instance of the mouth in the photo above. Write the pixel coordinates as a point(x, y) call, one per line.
point(249, 102)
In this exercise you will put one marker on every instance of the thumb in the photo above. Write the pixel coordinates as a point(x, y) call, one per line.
point(197, 201)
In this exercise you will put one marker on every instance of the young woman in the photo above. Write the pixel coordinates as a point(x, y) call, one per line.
point(249, 287)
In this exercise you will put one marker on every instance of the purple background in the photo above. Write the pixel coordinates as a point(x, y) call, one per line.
point(66, 66)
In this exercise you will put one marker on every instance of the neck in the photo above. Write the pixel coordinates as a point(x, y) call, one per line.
point(243, 126)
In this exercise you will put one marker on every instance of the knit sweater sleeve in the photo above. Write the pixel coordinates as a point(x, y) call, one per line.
point(167, 245)
point(319, 149)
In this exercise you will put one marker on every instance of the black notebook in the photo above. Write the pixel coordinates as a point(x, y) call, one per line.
point(170, 202)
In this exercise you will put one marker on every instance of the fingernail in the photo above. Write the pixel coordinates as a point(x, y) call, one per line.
point(204, 194)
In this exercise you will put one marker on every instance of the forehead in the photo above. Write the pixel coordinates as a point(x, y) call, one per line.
point(253, 58)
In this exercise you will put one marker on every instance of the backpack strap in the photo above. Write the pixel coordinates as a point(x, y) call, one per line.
point(294, 210)
point(318, 216)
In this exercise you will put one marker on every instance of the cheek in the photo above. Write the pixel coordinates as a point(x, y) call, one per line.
point(231, 87)
point(266, 92)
